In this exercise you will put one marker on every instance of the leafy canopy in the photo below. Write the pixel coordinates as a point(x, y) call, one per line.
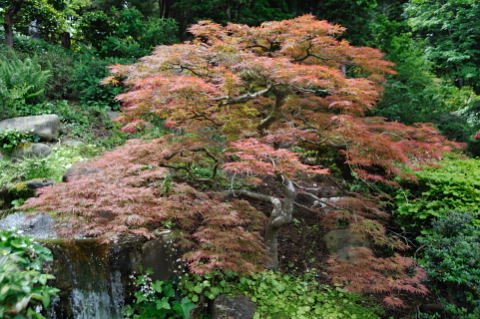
point(284, 82)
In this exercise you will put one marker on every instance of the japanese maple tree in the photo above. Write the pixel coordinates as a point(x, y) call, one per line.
point(264, 89)
point(243, 98)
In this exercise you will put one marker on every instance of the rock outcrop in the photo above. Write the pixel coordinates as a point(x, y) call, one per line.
point(45, 126)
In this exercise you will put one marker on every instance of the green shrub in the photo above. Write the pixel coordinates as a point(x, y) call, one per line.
point(126, 33)
point(21, 82)
point(23, 285)
point(27, 44)
point(60, 63)
point(453, 186)
point(57, 60)
point(451, 256)
point(74, 75)
point(282, 296)
point(89, 70)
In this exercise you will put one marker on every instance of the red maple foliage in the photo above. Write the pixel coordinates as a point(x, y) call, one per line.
point(282, 78)
point(388, 277)
point(246, 97)
point(129, 190)
point(477, 136)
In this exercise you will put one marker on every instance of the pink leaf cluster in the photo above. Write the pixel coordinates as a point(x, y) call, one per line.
point(389, 277)
point(128, 191)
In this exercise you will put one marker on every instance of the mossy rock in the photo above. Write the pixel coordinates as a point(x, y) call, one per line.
point(21, 190)
point(233, 307)
point(31, 150)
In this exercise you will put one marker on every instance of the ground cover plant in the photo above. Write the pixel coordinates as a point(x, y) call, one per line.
point(157, 299)
point(11, 139)
point(280, 295)
point(51, 167)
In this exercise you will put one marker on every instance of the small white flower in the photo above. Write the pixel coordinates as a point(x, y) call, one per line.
point(38, 308)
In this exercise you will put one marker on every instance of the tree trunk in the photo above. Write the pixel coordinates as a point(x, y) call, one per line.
point(282, 214)
point(229, 13)
point(164, 8)
point(66, 40)
point(9, 20)
point(8, 33)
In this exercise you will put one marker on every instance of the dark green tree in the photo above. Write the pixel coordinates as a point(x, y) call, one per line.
point(53, 18)
point(126, 32)
point(248, 12)
point(452, 34)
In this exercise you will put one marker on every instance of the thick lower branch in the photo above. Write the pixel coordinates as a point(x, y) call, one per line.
point(281, 215)
point(272, 117)
point(245, 97)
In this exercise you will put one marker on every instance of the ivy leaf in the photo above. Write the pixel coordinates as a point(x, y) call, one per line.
point(184, 307)
point(163, 304)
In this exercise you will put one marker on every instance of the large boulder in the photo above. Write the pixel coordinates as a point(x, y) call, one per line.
point(159, 255)
point(45, 126)
point(340, 242)
point(233, 307)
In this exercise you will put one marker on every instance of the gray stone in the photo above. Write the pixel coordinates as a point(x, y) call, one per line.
point(39, 226)
point(45, 126)
point(72, 142)
point(340, 242)
point(112, 115)
point(31, 150)
point(78, 169)
point(233, 307)
point(159, 255)
point(35, 184)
